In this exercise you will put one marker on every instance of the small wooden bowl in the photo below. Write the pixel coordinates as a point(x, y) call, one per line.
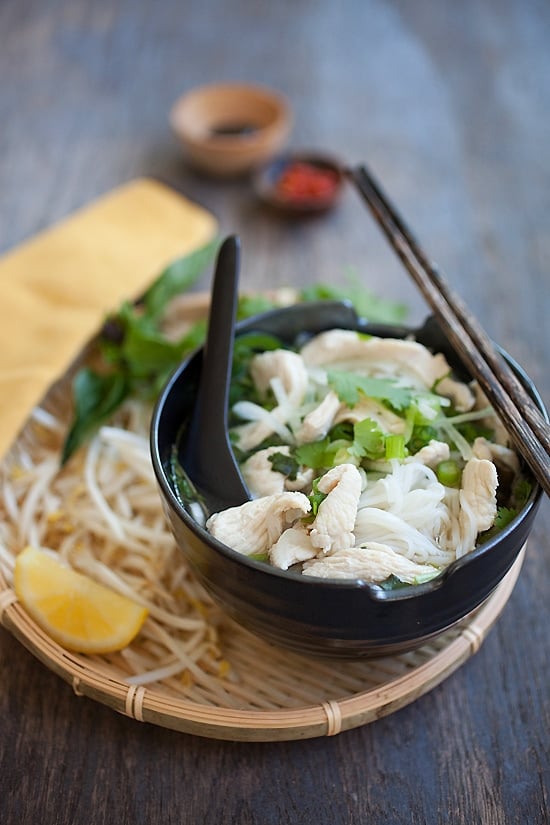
point(229, 129)
point(301, 183)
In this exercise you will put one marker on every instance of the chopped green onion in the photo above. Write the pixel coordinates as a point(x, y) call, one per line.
point(395, 446)
point(259, 556)
point(449, 473)
point(421, 437)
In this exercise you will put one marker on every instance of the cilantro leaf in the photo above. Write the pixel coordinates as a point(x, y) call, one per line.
point(421, 437)
point(341, 431)
point(284, 464)
point(521, 491)
point(368, 440)
point(316, 498)
point(313, 454)
point(349, 385)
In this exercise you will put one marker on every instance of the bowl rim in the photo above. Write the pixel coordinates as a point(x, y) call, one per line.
point(374, 590)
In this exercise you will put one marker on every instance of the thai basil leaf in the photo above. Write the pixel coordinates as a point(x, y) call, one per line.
point(96, 397)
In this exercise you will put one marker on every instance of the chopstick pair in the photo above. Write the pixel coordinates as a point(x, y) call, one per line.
point(524, 421)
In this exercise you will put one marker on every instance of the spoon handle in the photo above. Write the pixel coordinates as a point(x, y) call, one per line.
point(218, 348)
point(215, 469)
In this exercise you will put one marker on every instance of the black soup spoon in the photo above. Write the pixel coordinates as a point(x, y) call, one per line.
point(206, 452)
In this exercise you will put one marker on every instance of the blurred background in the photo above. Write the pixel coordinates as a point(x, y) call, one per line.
point(445, 102)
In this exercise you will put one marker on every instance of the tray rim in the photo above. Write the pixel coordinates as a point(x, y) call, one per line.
point(329, 718)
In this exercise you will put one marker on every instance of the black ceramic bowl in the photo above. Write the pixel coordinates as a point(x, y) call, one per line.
point(327, 617)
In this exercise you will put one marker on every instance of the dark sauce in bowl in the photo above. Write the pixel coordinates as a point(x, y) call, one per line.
point(233, 130)
point(301, 183)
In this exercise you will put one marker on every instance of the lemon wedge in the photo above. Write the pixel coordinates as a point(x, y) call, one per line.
point(74, 610)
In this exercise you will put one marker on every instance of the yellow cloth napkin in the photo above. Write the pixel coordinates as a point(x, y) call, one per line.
point(56, 288)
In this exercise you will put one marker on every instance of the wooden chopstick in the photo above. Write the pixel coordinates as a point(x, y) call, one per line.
point(524, 421)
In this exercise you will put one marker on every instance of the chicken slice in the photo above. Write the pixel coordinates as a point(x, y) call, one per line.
point(481, 449)
point(263, 480)
point(459, 393)
point(377, 356)
point(318, 422)
point(302, 481)
point(371, 408)
point(431, 455)
point(250, 435)
point(478, 503)
point(293, 546)
point(259, 475)
point(374, 562)
point(255, 526)
point(500, 455)
point(285, 373)
point(332, 528)
point(285, 365)
point(492, 421)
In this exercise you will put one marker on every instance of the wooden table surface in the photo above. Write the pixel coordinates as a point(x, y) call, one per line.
point(449, 104)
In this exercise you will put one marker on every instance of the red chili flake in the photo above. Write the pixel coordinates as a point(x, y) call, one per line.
point(302, 181)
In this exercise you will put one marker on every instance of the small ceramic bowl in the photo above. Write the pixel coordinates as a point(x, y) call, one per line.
point(301, 183)
point(336, 618)
point(229, 129)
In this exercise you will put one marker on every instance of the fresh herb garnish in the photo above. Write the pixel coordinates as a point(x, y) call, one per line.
point(176, 278)
point(395, 446)
point(349, 385)
point(313, 454)
point(449, 473)
point(284, 464)
point(244, 348)
point(365, 303)
point(343, 431)
point(137, 357)
point(316, 498)
point(521, 491)
point(96, 398)
point(475, 429)
point(368, 440)
point(421, 437)
point(393, 582)
point(503, 518)
point(259, 556)
point(254, 305)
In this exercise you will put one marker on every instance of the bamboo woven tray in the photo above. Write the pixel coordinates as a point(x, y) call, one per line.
point(279, 695)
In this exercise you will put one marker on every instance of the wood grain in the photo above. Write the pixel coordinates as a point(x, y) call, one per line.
point(448, 103)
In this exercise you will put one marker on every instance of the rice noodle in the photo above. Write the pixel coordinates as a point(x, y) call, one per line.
point(373, 524)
